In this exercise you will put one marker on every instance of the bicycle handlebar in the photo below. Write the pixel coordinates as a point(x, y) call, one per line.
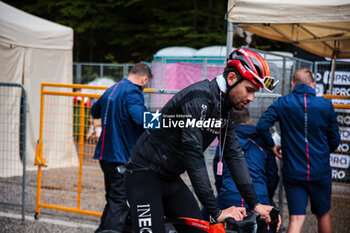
point(250, 223)
point(251, 220)
point(274, 213)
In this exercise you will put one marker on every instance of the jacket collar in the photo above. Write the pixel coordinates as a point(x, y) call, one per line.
point(127, 80)
point(220, 80)
point(217, 87)
point(246, 131)
point(303, 88)
point(243, 133)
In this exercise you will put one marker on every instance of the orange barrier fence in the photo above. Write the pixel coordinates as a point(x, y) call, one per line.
point(69, 179)
point(340, 163)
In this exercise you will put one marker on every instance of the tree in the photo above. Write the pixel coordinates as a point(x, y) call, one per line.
point(133, 30)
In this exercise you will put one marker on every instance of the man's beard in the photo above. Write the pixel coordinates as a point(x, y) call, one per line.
point(236, 103)
point(238, 106)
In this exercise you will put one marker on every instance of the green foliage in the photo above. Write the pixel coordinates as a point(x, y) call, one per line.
point(134, 30)
point(110, 58)
point(89, 75)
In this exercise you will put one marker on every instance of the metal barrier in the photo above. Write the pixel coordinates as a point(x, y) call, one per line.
point(68, 178)
point(281, 64)
point(340, 163)
point(86, 72)
point(322, 75)
point(13, 119)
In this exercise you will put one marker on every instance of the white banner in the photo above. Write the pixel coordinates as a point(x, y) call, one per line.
point(340, 101)
point(340, 78)
point(344, 133)
point(343, 147)
point(339, 160)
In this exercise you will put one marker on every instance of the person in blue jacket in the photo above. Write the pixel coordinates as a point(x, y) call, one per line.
point(121, 110)
point(309, 133)
point(261, 163)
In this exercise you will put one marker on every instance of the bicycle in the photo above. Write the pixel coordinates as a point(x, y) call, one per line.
point(252, 223)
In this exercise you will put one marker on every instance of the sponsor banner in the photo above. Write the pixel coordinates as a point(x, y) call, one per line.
point(318, 77)
point(341, 83)
point(340, 175)
point(340, 78)
point(342, 101)
point(319, 88)
point(343, 117)
point(344, 133)
point(340, 161)
point(340, 90)
point(344, 148)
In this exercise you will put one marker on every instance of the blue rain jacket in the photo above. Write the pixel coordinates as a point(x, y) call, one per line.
point(309, 133)
point(121, 110)
point(262, 167)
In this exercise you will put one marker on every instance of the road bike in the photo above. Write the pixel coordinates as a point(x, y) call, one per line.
point(252, 223)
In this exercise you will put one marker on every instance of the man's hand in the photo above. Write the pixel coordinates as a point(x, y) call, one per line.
point(237, 213)
point(277, 151)
point(264, 211)
point(279, 223)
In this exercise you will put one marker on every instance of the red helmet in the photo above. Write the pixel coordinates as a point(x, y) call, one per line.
point(253, 67)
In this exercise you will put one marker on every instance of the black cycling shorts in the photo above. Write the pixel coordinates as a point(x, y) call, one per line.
point(152, 198)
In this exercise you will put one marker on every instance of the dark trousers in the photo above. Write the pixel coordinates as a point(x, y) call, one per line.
point(116, 211)
point(152, 198)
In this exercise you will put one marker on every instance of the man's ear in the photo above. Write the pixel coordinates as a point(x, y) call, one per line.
point(312, 85)
point(293, 84)
point(231, 78)
point(144, 80)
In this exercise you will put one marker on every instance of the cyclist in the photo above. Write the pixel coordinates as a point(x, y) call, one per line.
point(153, 184)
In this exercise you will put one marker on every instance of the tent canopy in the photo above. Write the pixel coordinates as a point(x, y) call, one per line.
point(32, 51)
point(212, 51)
point(175, 51)
point(321, 27)
point(22, 29)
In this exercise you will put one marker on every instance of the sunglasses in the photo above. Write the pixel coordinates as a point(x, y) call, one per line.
point(267, 82)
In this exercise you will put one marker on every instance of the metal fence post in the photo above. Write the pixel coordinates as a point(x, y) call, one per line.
point(284, 75)
point(24, 157)
point(78, 72)
point(204, 69)
point(10, 101)
point(81, 148)
point(101, 70)
point(125, 71)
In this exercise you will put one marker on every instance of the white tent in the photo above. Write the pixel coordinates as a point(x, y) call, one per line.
point(211, 51)
point(32, 51)
point(175, 51)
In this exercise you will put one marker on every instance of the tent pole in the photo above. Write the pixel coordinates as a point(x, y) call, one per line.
point(332, 75)
point(229, 40)
point(334, 59)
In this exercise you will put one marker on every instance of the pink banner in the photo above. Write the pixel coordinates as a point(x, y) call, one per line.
point(178, 75)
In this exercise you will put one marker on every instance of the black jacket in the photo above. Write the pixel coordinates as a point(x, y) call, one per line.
point(172, 151)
